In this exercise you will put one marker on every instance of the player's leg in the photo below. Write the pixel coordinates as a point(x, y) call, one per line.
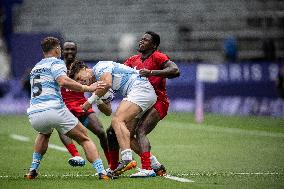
point(96, 127)
point(70, 146)
point(69, 125)
point(125, 112)
point(113, 147)
point(79, 134)
point(158, 168)
point(41, 123)
point(76, 159)
point(146, 124)
point(135, 145)
point(138, 101)
point(40, 148)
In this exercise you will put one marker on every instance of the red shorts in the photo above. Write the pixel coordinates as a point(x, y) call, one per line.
point(79, 114)
point(162, 108)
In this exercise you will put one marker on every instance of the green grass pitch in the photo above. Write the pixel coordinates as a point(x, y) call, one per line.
point(223, 152)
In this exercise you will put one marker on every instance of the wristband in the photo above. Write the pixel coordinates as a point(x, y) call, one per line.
point(99, 102)
point(93, 98)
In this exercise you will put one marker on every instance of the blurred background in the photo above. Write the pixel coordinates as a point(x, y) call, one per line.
point(240, 42)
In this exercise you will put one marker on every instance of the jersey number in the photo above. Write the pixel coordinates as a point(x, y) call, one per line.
point(36, 91)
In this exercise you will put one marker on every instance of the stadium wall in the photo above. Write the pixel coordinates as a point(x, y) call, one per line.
point(241, 88)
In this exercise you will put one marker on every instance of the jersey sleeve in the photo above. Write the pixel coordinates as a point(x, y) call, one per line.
point(128, 62)
point(161, 58)
point(58, 68)
point(102, 67)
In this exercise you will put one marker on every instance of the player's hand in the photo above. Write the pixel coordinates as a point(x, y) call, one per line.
point(97, 85)
point(86, 106)
point(145, 72)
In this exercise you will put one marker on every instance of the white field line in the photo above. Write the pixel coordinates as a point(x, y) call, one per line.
point(56, 147)
point(225, 174)
point(93, 175)
point(20, 137)
point(62, 149)
point(178, 178)
point(27, 139)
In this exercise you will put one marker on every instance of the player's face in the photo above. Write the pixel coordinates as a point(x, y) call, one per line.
point(69, 51)
point(146, 43)
point(84, 77)
point(58, 51)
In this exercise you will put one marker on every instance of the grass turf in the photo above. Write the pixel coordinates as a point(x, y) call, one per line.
point(223, 152)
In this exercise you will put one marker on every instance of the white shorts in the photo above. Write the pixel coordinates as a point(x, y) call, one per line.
point(62, 120)
point(143, 94)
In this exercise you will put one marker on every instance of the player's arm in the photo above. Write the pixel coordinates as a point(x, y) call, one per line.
point(105, 108)
point(169, 70)
point(104, 103)
point(68, 83)
point(106, 78)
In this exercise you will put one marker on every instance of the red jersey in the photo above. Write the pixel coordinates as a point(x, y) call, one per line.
point(73, 100)
point(153, 62)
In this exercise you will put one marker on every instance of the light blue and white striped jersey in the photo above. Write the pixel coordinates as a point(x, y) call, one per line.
point(123, 76)
point(45, 91)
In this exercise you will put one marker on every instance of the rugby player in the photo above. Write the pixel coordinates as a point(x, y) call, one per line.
point(156, 66)
point(47, 110)
point(139, 97)
point(73, 100)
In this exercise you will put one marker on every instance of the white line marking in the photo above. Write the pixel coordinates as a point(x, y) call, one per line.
point(27, 139)
point(224, 174)
point(20, 137)
point(178, 178)
point(59, 148)
point(56, 147)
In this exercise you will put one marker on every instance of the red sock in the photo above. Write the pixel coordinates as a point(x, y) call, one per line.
point(145, 160)
point(72, 150)
point(113, 156)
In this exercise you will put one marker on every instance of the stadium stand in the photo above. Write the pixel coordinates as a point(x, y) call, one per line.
point(191, 30)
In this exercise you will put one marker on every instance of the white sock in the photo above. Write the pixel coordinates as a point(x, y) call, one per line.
point(126, 154)
point(155, 164)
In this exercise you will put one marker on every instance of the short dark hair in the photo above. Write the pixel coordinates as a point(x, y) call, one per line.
point(69, 41)
point(49, 43)
point(75, 67)
point(155, 37)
